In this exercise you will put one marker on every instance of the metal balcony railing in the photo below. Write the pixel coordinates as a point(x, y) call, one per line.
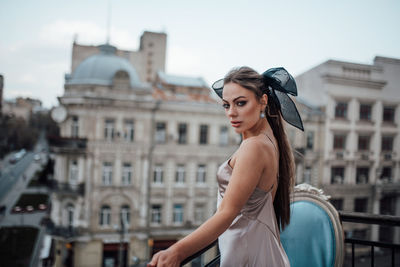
point(67, 188)
point(62, 231)
point(364, 218)
point(212, 263)
point(67, 144)
point(352, 217)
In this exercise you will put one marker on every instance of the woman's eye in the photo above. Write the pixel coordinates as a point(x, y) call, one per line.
point(225, 106)
point(241, 103)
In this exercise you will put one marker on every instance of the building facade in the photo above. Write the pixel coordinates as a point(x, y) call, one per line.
point(136, 163)
point(21, 107)
point(352, 122)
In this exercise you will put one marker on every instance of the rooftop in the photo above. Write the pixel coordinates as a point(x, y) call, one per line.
point(181, 80)
point(101, 68)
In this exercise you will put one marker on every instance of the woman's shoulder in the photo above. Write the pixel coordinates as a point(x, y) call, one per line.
point(258, 142)
point(256, 146)
point(255, 150)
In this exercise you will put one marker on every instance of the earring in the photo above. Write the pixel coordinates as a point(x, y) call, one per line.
point(262, 115)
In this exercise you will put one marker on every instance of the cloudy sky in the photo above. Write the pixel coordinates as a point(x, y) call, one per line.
point(205, 38)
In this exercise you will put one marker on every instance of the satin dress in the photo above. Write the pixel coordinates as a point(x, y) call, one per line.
point(253, 237)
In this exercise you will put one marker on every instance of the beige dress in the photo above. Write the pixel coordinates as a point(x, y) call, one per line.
point(253, 237)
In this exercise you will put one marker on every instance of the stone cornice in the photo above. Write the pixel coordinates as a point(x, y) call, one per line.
point(349, 81)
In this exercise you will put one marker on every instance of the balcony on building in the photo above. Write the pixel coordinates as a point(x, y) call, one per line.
point(67, 144)
point(63, 231)
point(68, 189)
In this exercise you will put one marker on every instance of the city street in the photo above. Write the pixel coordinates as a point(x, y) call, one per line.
point(14, 182)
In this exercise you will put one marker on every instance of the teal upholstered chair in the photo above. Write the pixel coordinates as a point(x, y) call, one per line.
point(314, 237)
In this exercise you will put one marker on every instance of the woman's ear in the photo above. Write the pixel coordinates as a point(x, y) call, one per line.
point(264, 100)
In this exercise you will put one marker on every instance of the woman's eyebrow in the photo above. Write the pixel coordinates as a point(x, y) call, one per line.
point(234, 99)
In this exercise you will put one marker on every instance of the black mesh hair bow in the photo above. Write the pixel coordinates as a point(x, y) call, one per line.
point(279, 84)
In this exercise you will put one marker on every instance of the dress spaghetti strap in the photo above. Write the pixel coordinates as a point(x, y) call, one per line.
point(276, 151)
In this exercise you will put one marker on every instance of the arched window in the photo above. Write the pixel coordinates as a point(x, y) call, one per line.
point(121, 80)
point(125, 215)
point(105, 215)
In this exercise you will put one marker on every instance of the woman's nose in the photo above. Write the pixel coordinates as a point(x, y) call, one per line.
point(231, 112)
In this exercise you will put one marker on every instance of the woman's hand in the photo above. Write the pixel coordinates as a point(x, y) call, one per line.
point(165, 258)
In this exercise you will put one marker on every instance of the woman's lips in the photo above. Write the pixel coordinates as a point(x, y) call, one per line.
point(235, 123)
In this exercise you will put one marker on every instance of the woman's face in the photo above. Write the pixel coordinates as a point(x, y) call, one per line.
point(241, 107)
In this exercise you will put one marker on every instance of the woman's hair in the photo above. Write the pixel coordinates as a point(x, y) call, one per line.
point(251, 80)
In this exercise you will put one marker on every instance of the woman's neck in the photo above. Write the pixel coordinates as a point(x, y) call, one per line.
point(262, 126)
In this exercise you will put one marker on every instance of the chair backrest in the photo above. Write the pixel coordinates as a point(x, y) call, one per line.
point(314, 236)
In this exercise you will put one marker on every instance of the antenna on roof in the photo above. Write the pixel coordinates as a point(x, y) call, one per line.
point(108, 21)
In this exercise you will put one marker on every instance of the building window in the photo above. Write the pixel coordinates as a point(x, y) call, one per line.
point(223, 136)
point(388, 114)
point(180, 174)
point(386, 175)
point(129, 130)
point(199, 215)
point(203, 134)
point(360, 204)
point(182, 133)
point(125, 215)
point(337, 203)
point(161, 132)
point(307, 175)
point(339, 141)
point(126, 174)
point(178, 214)
point(105, 215)
point(201, 174)
point(107, 173)
point(158, 174)
point(365, 112)
point(73, 173)
point(362, 174)
point(109, 129)
point(337, 175)
point(363, 142)
point(156, 214)
point(310, 140)
point(70, 214)
point(75, 126)
point(387, 143)
point(341, 110)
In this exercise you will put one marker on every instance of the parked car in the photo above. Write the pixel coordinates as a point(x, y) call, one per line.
point(17, 156)
point(36, 157)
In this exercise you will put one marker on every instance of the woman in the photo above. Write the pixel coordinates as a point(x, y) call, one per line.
point(255, 183)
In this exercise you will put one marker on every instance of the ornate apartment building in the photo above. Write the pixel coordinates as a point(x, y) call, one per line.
point(351, 144)
point(136, 163)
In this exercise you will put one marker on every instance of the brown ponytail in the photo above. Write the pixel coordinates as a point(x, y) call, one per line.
point(286, 167)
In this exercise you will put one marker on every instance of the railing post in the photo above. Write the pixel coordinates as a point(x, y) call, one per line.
point(372, 256)
point(393, 257)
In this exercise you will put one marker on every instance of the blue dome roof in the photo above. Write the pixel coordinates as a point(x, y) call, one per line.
point(100, 69)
